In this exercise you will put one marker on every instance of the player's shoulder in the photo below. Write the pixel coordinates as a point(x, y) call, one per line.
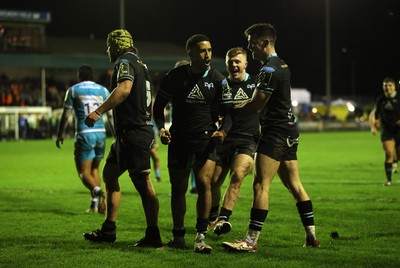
point(380, 98)
point(274, 64)
point(126, 58)
point(177, 73)
point(217, 75)
point(250, 78)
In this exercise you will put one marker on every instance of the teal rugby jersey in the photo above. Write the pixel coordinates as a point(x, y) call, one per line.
point(84, 98)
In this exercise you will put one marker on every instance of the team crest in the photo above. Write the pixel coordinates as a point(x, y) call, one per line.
point(208, 85)
point(251, 86)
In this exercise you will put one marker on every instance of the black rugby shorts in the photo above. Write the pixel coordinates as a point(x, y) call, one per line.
point(279, 147)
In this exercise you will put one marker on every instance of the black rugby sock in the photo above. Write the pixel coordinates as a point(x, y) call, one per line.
point(388, 171)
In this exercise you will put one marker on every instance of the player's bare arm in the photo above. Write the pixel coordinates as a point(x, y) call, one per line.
point(63, 124)
point(117, 96)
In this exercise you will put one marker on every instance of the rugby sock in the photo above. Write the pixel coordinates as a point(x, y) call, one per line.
point(153, 232)
point(94, 203)
point(108, 226)
point(395, 166)
point(96, 191)
point(213, 213)
point(201, 225)
point(388, 170)
point(252, 236)
point(305, 210)
point(224, 214)
point(257, 219)
point(179, 232)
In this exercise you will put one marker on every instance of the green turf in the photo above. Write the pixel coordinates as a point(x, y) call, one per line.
point(43, 203)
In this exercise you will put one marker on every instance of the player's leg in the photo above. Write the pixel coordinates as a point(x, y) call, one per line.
point(179, 183)
point(144, 186)
point(193, 189)
point(265, 170)
point(107, 233)
point(220, 171)
point(84, 171)
point(396, 153)
point(99, 194)
point(136, 153)
point(217, 180)
point(389, 146)
point(241, 165)
point(85, 155)
point(203, 170)
point(179, 159)
point(289, 175)
point(99, 151)
point(395, 164)
point(156, 161)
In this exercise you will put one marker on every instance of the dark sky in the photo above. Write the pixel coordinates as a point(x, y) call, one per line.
point(364, 48)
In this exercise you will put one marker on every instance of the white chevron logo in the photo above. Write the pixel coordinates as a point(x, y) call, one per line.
point(196, 94)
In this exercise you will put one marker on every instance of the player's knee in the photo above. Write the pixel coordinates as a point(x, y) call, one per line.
point(235, 183)
point(136, 175)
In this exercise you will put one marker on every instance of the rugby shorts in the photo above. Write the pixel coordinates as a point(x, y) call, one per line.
point(390, 135)
point(89, 146)
point(234, 146)
point(182, 153)
point(131, 149)
point(279, 147)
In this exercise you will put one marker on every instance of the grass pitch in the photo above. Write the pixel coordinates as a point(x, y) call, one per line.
point(43, 203)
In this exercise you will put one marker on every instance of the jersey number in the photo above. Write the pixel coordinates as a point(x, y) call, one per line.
point(90, 106)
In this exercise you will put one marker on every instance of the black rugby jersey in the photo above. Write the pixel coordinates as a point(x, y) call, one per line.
point(192, 97)
point(274, 79)
point(388, 111)
point(135, 110)
point(243, 124)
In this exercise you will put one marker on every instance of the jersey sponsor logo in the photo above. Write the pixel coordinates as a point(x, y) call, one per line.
point(241, 95)
point(91, 98)
point(195, 96)
point(208, 85)
point(388, 106)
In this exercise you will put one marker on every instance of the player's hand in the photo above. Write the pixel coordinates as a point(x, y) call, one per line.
point(91, 119)
point(59, 141)
point(373, 131)
point(219, 136)
point(165, 136)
